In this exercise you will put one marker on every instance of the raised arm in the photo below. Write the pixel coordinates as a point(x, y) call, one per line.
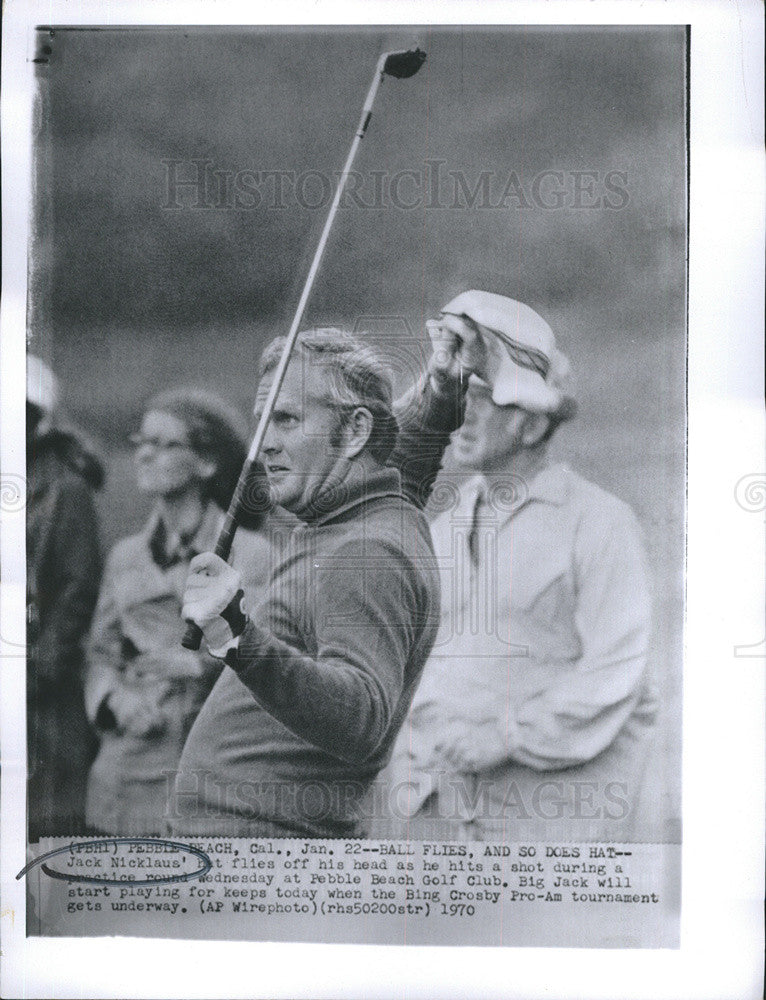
point(428, 413)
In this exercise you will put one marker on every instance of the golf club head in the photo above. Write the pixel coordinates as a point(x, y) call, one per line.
point(404, 64)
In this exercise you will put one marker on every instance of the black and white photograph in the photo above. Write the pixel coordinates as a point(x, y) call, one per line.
point(356, 430)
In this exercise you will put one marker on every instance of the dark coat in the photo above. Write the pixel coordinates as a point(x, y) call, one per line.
point(63, 571)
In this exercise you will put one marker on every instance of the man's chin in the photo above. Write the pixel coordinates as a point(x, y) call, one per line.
point(281, 497)
point(292, 500)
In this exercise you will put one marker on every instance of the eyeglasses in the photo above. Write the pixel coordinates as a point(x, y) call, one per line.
point(158, 444)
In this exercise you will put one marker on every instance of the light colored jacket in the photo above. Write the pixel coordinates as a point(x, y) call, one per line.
point(535, 707)
point(135, 645)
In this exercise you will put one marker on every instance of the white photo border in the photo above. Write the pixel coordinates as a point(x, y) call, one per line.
point(723, 775)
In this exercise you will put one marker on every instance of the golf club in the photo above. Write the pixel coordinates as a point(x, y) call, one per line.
point(400, 65)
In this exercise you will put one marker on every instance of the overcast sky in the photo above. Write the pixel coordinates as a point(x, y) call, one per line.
point(509, 104)
point(569, 142)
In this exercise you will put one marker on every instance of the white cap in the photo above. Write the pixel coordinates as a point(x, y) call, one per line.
point(523, 366)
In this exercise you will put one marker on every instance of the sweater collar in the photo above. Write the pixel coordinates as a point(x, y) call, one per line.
point(358, 487)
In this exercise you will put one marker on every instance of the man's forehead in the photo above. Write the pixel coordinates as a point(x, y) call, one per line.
point(303, 382)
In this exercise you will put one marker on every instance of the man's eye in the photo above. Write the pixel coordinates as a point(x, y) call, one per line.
point(285, 419)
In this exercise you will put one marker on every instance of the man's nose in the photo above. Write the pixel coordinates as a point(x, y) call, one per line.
point(271, 443)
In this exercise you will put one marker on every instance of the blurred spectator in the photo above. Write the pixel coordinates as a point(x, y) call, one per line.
point(533, 714)
point(63, 567)
point(144, 690)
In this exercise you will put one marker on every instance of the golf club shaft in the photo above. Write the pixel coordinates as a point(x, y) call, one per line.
point(193, 636)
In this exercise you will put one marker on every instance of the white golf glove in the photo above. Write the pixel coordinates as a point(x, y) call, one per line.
point(213, 600)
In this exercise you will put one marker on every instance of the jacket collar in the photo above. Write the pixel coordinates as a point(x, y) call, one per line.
point(168, 551)
point(550, 484)
point(507, 494)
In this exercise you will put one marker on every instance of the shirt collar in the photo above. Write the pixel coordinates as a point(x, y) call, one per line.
point(469, 493)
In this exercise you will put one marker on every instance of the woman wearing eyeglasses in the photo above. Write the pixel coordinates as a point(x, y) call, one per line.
point(143, 689)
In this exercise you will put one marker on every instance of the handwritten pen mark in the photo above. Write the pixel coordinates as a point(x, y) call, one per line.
point(207, 864)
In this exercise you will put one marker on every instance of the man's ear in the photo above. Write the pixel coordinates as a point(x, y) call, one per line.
point(357, 431)
point(534, 428)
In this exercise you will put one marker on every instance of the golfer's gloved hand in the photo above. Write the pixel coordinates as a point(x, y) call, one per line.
point(213, 600)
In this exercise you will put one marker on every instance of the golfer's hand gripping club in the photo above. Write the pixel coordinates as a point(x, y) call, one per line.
point(193, 635)
point(213, 600)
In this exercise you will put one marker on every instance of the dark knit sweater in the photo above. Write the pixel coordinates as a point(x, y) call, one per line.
point(294, 733)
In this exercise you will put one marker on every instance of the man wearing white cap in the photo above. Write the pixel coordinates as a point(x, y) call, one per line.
point(532, 716)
